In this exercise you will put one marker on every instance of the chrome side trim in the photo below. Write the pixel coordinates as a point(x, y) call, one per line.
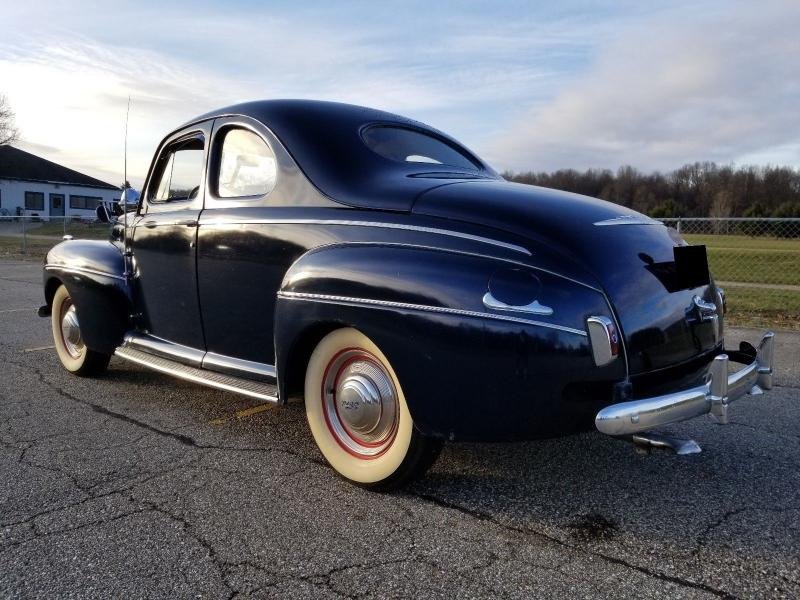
point(628, 220)
point(253, 389)
point(237, 366)
point(424, 307)
point(533, 308)
point(158, 347)
point(82, 271)
point(713, 397)
point(455, 251)
point(384, 225)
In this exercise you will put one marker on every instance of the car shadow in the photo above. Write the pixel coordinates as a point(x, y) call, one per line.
point(587, 490)
point(591, 489)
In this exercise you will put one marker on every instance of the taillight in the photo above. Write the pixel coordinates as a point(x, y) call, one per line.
point(604, 338)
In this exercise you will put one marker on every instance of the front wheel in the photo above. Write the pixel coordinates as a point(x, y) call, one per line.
point(72, 351)
point(358, 414)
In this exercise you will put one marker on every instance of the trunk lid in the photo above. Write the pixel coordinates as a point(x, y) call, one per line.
point(630, 255)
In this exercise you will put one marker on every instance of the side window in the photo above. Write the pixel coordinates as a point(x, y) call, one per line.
point(247, 165)
point(181, 171)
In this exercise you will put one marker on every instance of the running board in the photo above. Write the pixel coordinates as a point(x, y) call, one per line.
point(247, 387)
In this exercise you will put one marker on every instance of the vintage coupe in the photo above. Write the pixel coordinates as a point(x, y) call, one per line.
point(382, 271)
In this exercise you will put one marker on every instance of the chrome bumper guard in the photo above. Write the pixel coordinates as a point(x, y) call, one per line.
point(714, 397)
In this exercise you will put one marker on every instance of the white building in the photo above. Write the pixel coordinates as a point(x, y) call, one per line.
point(31, 185)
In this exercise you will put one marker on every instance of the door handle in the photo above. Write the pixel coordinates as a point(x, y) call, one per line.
point(186, 222)
point(534, 308)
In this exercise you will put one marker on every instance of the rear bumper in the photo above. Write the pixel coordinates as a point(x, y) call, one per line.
point(713, 397)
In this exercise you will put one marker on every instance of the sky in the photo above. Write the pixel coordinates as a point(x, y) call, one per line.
point(526, 85)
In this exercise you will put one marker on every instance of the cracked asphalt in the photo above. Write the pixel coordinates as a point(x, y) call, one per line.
point(138, 485)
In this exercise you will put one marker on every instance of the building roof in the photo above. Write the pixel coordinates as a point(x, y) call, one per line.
point(23, 166)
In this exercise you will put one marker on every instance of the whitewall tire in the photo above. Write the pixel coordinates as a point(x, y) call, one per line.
point(75, 356)
point(358, 414)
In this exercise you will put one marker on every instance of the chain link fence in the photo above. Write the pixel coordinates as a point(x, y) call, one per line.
point(756, 261)
point(26, 236)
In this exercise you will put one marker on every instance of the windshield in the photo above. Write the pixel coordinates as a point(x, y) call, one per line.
point(412, 146)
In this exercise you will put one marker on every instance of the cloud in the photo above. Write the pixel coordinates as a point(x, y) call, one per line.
point(69, 83)
point(527, 86)
point(670, 90)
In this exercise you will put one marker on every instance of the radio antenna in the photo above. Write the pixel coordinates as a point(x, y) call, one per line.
point(125, 193)
point(125, 149)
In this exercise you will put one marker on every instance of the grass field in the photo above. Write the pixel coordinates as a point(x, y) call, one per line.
point(752, 261)
point(11, 247)
point(760, 307)
point(757, 261)
point(78, 229)
point(40, 237)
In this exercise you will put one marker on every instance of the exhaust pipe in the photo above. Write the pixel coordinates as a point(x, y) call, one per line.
point(645, 442)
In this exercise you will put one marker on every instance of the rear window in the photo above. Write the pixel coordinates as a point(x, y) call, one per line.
point(412, 146)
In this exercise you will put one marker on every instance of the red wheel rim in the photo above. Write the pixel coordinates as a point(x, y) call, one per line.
point(360, 403)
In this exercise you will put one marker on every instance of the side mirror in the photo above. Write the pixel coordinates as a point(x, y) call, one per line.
point(118, 232)
point(117, 209)
point(102, 214)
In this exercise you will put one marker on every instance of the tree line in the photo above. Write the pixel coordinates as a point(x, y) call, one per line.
point(702, 189)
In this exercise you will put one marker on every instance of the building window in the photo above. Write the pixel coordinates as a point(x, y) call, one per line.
point(84, 202)
point(34, 200)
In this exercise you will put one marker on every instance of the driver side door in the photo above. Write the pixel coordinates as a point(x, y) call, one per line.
point(165, 240)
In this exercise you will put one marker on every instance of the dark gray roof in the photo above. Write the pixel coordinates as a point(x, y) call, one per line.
point(24, 166)
point(324, 138)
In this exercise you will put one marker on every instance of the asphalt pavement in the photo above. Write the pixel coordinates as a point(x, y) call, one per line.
point(138, 485)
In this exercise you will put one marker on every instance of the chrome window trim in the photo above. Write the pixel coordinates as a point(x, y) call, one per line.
point(628, 220)
point(81, 271)
point(384, 225)
point(331, 299)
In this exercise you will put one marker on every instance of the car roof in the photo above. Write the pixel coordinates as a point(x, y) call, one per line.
point(324, 139)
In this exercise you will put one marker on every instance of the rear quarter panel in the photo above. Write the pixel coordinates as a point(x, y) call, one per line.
point(467, 372)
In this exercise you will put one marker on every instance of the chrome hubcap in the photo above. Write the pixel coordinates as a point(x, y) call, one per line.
point(360, 401)
point(71, 331)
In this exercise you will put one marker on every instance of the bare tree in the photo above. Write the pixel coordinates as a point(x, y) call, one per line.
point(8, 132)
point(693, 190)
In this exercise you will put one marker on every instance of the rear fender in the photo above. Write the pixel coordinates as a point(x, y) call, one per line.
point(468, 371)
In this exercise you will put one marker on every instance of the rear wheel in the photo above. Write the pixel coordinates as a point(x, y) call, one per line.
point(358, 414)
point(72, 351)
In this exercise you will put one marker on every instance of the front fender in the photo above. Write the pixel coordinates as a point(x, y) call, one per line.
point(468, 371)
point(93, 272)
